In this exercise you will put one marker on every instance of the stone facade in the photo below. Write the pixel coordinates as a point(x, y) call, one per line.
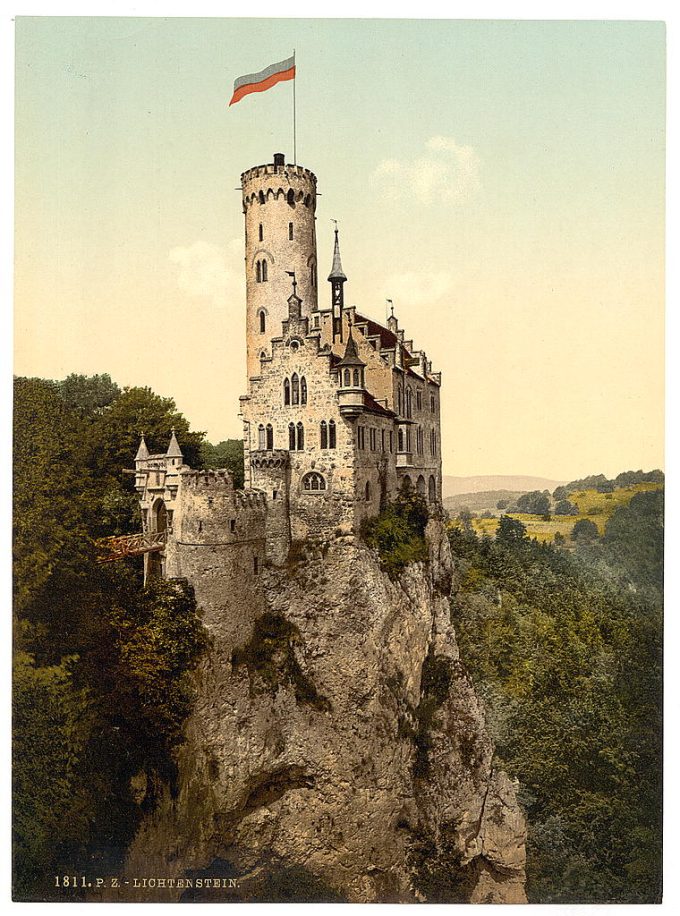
point(340, 411)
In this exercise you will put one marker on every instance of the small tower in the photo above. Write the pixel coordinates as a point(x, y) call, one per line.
point(351, 392)
point(173, 462)
point(141, 459)
point(337, 279)
point(279, 202)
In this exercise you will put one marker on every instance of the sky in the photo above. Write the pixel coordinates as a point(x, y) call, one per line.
point(501, 182)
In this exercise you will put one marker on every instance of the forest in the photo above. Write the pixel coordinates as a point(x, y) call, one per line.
point(564, 647)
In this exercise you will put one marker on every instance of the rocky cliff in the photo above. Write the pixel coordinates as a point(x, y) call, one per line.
point(337, 750)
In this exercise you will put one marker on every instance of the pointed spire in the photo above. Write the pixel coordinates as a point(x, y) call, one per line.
point(174, 451)
point(337, 272)
point(351, 357)
point(142, 451)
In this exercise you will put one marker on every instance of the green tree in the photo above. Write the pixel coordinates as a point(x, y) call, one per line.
point(88, 394)
point(584, 531)
point(226, 454)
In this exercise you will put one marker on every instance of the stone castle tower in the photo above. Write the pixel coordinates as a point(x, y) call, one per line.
point(340, 411)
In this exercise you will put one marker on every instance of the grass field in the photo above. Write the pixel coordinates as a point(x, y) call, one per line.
point(591, 504)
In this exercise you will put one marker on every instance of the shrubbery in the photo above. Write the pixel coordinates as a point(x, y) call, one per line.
point(398, 533)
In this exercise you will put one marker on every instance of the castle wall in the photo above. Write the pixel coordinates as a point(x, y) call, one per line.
point(218, 543)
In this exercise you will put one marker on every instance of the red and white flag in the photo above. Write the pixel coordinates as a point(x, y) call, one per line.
point(265, 79)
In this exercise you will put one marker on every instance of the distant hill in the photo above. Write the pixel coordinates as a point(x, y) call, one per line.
point(481, 501)
point(454, 486)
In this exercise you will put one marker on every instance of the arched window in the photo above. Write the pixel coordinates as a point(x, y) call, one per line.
point(296, 388)
point(409, 403)
point(348, 379)
point(324, 434)
point(313, 482)
point(290, 231)
point(312, 275)
point(331, 434)
point(300, 437)
point(261, 439)
point(263, 354)
point(286, 392)
point(433, 489)
point(263, 322)
point(270, 436)
point(303, 390)
point(400, 399)
point(291, 437)
point(258, 272)
point(261, 197)
point(357, 378)
point(261, 233)
point(401, 439)
point(368, 491)
point(264, 271)
point(419, 399)
point(420, 485)
point(290, 197)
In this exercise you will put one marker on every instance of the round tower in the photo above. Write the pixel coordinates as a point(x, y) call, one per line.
point(279, 201)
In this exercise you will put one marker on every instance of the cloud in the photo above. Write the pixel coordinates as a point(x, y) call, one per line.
point(208, 271)
point(416, 288)
point(446, 171)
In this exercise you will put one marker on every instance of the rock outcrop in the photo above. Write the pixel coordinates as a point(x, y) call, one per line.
point(337, 750)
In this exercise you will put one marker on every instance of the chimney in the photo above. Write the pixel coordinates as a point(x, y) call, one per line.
point(279, 159)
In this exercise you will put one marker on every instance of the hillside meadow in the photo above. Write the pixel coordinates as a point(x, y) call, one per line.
point(598, 507)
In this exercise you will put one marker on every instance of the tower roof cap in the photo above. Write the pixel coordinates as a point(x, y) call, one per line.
point(337, 272)
point(142, 451)
point(351, 357)
point(174, 451)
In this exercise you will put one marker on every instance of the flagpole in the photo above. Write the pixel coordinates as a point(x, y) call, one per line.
point(294, 125)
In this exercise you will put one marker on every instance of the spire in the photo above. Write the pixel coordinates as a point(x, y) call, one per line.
point(174, 451)
point(351, 357)
point(142, 451)
point(337, 272)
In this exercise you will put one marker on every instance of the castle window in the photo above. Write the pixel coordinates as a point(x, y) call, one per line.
point(286, 392)
point(419, 399)
point(400, 399)
point(433, 442)
point(264, 271)
point(313, 482)
point(300, 437)
point(275, 494)
point(391, 440)
point(296, 388)
point(348, 380)
point(263, 322)
point(382, 440)
point(291, 437)
point(324, 434)
point(200, 527)
point(401, 439)
point(312, 275)
point(368, 491)
point(408, 439)
point(261, 233)
point(433, 489)
point(232, 525)
point(290, 231)
point(372, 438)
point(170, 513)
point(261, 437)
point(420, 485)
point(331, 434)
point(290, 197)
point(261, 197)
point(409, 403)
point(419, 441)
point(303, 390)
point(258, 272)
point(357, 379)
point(263, 354)
point(270, 437)
point(256, 565)
point(361, 437)
point(432, 404)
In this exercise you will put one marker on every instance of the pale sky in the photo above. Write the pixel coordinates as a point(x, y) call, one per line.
point(501, 182)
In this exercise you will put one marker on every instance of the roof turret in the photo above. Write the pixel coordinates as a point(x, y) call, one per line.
point(174, 451)
point(142, 451)
point(351, 357)
point(337, 272)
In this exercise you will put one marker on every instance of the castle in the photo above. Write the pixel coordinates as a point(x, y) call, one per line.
point(340, 411)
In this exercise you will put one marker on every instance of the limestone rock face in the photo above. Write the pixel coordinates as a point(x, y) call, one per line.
point(337, 749)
